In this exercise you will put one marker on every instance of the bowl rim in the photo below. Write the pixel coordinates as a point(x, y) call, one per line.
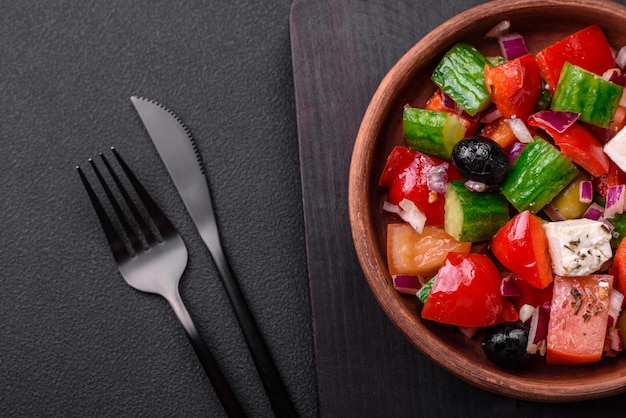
point(360, 213)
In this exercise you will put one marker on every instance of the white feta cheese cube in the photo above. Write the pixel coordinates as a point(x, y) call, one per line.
point(578, 247)
point(616, 149)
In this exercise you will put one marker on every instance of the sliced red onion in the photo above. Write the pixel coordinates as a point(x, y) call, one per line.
point(507, 286)
point(615, 306)
point(585, 191)
point(469, 332)
point(594, 212)
point(620, 59)
point(553, 213)
point(406, 283)
point(526, 312)
point(543, 318)
point(408, 212)
point(437, 178)
point(614, 76)
point(610, 73)
point(515, 151)
point(453, 106)
point(542, 347)
point(450, 104)
point(447, 102)
point(613, 342)
point(614, 201)
point(499, 30)
point(606, 350)
point(615, 339)
point(557, 120)
point(607, 224)
point(538, 328)
point(520, 130)
point(512, 46)
point(412, 215)
point(393, 209)
point(539, 324)
point(476, 186)
point(490, 115)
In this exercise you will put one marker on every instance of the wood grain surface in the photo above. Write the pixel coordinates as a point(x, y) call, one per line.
point(365, 366)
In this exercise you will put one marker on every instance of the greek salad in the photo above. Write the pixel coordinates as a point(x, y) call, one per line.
point(507, 201)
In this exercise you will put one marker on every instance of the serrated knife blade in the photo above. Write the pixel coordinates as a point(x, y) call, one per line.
point(178, 151)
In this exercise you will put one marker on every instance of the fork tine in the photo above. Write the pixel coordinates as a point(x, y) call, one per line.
point(145, 229)
point(132, 237)
point(159, 219)
point(118, 248)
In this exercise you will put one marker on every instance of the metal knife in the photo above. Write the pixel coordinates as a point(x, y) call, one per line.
point(179, 153)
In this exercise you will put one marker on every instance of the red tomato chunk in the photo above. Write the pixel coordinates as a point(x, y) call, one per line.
point(578, 319)
point(587, 48)
point(467, 293)
point(405, 175)
point(515, 86)
point(521, 245)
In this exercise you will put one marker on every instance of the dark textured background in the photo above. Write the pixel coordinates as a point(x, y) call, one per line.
point(75, 339)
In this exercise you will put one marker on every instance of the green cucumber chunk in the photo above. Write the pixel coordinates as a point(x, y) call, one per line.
point(461, 75)
point(432, 132)
point(619, 223)
point(473, 216)
point(496, 60)
point(424, 291)
point(538, 174)
point(584, 92)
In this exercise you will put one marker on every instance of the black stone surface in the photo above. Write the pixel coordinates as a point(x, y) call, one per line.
point(76, 340)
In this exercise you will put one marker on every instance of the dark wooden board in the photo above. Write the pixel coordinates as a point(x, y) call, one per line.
point(341, 50)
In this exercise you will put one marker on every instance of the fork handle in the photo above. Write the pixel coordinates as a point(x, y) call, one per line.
point(268, 372)
point(222, 388)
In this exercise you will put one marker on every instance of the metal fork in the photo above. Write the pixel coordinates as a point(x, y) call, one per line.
point(154, 264)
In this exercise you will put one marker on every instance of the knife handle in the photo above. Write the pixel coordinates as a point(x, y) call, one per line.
point(268, 372)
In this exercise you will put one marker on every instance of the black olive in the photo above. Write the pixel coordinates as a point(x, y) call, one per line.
point(480, 159)
point(505, 345)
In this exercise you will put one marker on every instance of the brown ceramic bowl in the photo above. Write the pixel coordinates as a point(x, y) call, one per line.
point(541, 22)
